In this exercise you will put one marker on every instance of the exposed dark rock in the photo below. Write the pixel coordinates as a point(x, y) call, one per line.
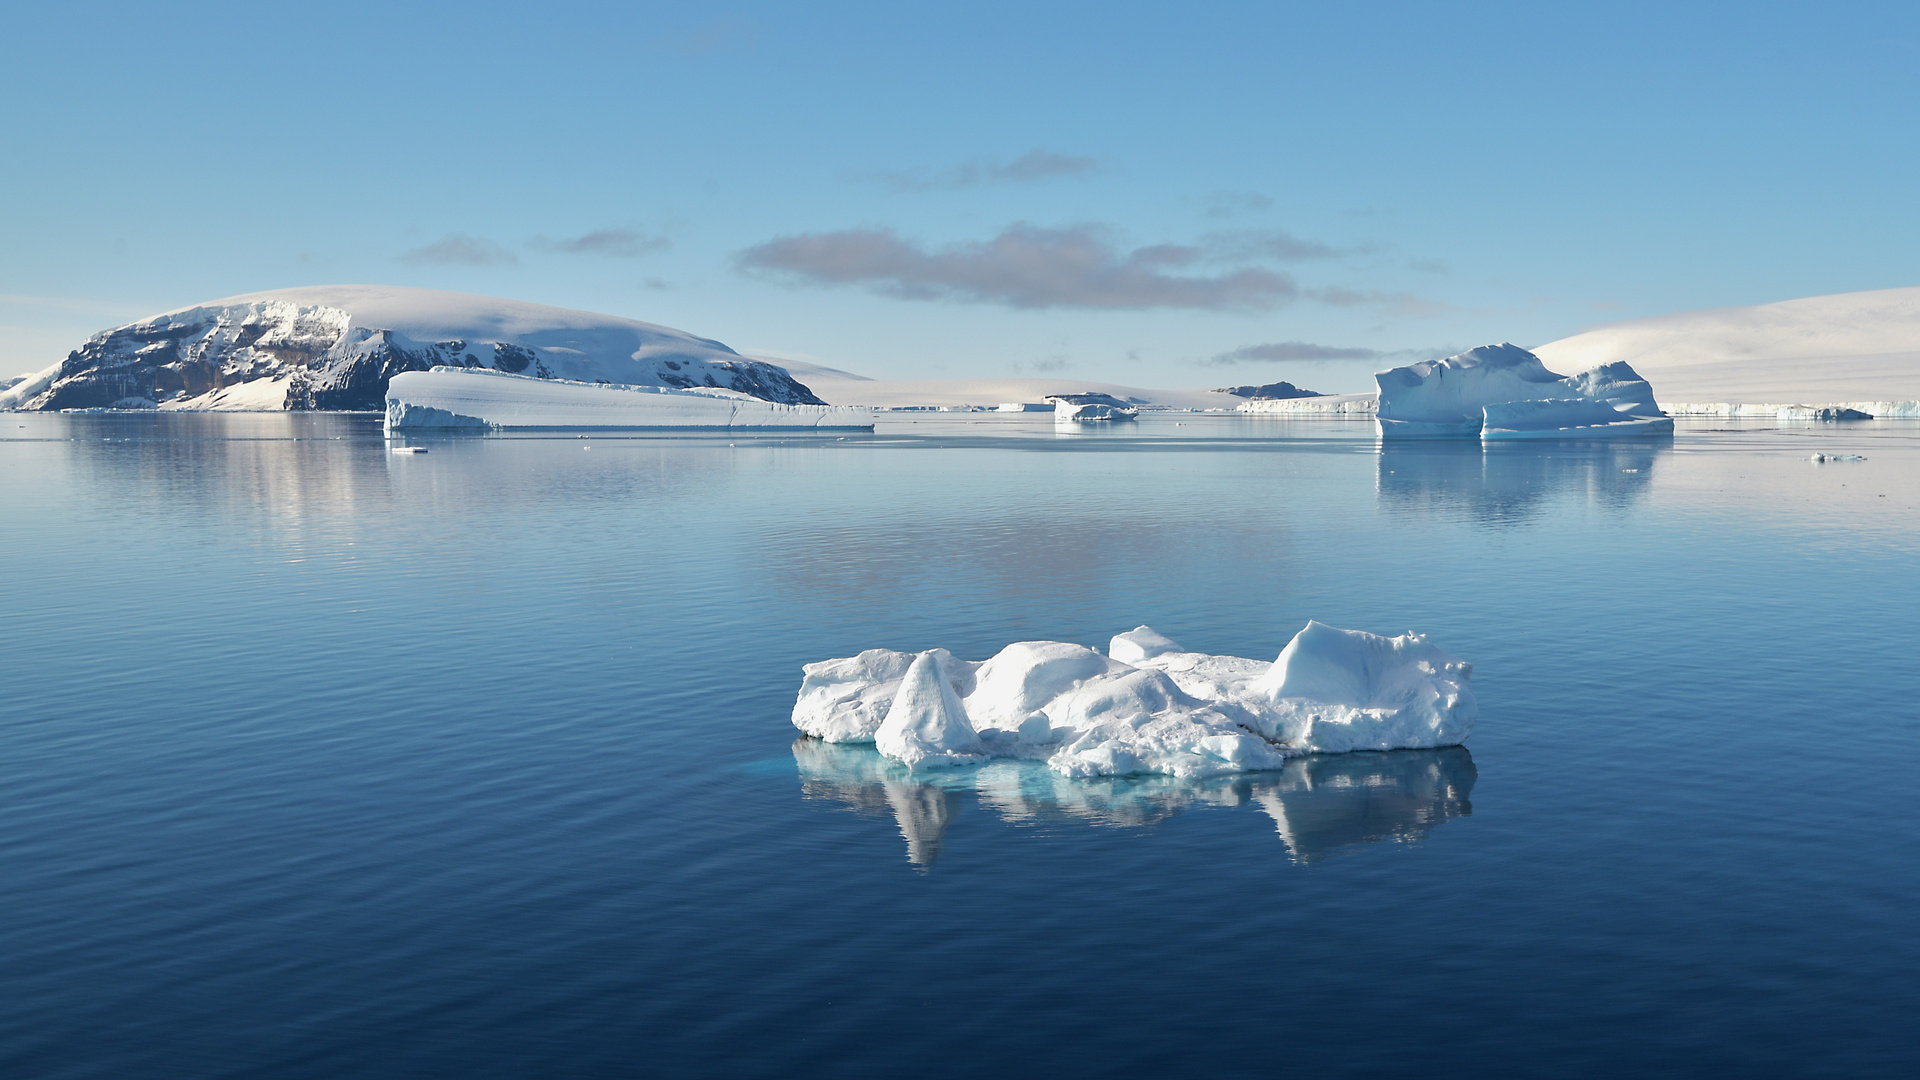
point(1270, 392)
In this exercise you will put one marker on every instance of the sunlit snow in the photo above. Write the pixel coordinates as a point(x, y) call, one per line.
point(1146, 706)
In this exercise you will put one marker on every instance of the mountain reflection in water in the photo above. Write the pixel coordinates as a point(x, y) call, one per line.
point(1319, 804)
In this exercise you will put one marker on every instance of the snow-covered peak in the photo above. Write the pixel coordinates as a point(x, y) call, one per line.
point(437, 315)
point(336, 346)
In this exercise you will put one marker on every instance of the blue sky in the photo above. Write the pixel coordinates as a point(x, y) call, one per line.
point(1169, 195)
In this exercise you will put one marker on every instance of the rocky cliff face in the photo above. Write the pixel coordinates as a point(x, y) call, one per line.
point(336, 348)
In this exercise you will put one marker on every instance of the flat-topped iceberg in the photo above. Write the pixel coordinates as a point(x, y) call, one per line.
point(450, 397)
point(1505, 392)
point(1146, 706)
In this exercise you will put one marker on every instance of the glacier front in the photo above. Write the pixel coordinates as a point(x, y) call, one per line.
point(467, 398)
point(1146, 705)
point(1504, 392)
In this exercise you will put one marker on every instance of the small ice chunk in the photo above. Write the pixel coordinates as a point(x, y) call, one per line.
point(1836, 457)
point(927, 724)
point(1140, 643)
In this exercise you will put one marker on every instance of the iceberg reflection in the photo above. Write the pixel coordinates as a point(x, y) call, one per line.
point(1507, 484)
point(1319, 804)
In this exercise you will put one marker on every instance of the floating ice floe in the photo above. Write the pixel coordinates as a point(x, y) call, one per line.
point(1823, 458)
point(1147, 706)
point(1501, 392)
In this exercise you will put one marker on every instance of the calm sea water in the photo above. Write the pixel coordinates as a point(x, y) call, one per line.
point(318, 761)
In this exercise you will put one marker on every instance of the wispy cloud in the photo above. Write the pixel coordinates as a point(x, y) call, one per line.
point(1246, 244)
point(1226, 204)
point(459, 249)
point(1032, 166)
point(1309, 353)
point(614, 243)
point(1400, 303)
point(1025, 266)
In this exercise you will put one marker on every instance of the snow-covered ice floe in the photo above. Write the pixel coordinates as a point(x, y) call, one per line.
point(450, 397)
point(1146, 706)
point(1505, 392)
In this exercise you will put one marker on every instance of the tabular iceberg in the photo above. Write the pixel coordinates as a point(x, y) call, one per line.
point(1147, 706)
point(1504, 392)
point(450, 397)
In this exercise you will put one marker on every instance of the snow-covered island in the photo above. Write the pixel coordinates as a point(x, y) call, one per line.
point(1146, 706)
point(338, 347)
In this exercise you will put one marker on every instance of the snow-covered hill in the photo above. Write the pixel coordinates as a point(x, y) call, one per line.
point(1862, 346)
point(335, 347)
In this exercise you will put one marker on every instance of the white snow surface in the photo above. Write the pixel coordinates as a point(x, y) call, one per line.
point(1848, 347)
point(448, 397)
point(1504, 391)
point(1147, 706)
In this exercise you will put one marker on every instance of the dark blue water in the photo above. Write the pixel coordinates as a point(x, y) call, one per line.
point(317, 761)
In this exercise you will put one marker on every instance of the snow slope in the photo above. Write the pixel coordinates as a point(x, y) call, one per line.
point(1862, 346)
point(336, 346)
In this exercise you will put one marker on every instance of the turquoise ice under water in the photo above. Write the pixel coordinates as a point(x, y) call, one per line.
point(317, 760)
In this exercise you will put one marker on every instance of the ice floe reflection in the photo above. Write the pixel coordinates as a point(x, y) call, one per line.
point(1319, 804)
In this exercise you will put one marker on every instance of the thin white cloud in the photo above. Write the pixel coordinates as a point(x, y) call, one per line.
point(459, 249)
point(1304, 352)
point(1226, 204)
point(1030, 167)
point(614, 243)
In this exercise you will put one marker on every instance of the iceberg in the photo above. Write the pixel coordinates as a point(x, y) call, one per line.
point(1072, 407)
point(1146, 706)
point(453, 397)
point(1505, 392)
